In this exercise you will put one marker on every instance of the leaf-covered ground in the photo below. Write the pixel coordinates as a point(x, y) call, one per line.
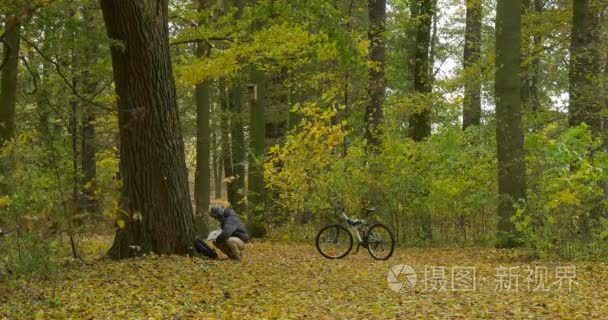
point(292, 281)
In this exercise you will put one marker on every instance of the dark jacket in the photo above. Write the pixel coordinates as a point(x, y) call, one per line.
point(231, 226)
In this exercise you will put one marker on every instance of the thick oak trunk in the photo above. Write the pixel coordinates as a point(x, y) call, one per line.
point(155, 200)
point(509, 133)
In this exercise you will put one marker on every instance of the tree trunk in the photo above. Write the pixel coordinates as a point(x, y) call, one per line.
point(535, 79)
point(8, 94)
point(89, 164)
point(509, 133)
point(202, 177)
point(155, 202)
point(217, 168)
point(239, 150)
point(88, 146)
point(471, 113)
point(420, 122)
point(226, 122)
point(377, 83)
point(257, 134)
point(8, 84)
point(584, 67)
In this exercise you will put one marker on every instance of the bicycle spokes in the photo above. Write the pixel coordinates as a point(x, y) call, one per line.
point(380, 242)
point(334, 241)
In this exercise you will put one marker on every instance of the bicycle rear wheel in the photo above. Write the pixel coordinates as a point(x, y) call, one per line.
point(334, 241)
point(380, 242)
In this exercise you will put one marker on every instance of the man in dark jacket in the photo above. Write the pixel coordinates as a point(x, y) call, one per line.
point(233, 237)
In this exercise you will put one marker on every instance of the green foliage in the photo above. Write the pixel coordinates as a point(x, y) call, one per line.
point(566, 203)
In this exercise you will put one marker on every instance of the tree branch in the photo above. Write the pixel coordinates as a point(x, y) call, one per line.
point(65, 79)
point(34, 76)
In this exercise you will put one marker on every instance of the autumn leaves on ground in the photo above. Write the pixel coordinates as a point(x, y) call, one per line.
point(292, 281)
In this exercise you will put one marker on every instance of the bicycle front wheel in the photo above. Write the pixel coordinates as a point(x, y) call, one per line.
point(334, 241)
point(380, 242)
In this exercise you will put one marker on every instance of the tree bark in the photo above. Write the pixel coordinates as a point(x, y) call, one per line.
point(584, 67)
point(217, 168)
point(509, 133)
point(377, 83)
point(471, 113)
point(202, 177)
point(156, 212)
point(88, 146)
point(239, 149)
point(8, 83)
point(420, 122)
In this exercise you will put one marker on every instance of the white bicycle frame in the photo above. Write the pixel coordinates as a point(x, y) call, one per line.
point(354, 229)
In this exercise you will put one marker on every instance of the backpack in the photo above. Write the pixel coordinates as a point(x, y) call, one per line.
point(204, 249)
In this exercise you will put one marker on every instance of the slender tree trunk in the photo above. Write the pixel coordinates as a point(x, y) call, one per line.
point(471, 114)
point(216, 159)
point(89, 164)
point(202, 177)
point(584, 67)
point(257, 134)
point(226, 122)
point(155, 202)
point(524, 91)
point(88, 146)
point(509, 132)
point(420, 122)
point(377, 83)
point(537, 41)
point(239, 149)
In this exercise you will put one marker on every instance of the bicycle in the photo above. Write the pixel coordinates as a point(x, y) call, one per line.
point(335, 241)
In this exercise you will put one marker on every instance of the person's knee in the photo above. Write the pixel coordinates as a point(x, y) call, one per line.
point(234, 245)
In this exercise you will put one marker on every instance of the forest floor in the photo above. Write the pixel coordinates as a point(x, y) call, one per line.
point(292, 281)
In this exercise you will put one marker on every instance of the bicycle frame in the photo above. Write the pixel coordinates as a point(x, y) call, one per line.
point(353, 226)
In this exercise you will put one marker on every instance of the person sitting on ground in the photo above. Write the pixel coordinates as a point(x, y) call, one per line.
point(233, 237)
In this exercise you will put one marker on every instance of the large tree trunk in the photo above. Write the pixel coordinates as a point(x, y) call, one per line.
point(584, 67)
point(471, 113)
point(377, 84)
point(202, 177)
point(509, 133)
point(257, 135)
point(155, 200)
point(8, 93)
point(8, 83)
point(420, 122)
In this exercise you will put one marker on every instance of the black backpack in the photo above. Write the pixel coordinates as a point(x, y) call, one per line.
point(204, 249)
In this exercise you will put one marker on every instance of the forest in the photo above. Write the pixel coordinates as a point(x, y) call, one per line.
point(464, 140)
